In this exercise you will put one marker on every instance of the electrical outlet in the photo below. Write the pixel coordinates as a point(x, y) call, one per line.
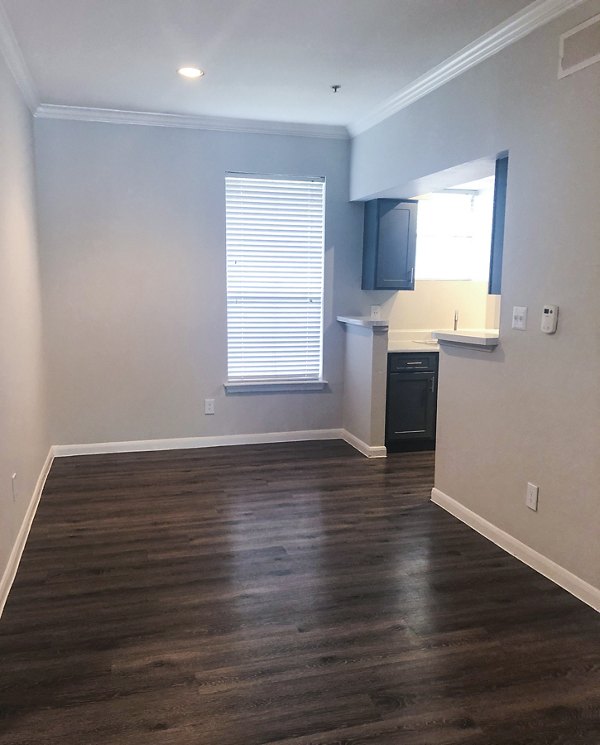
point(209, 405)
point(519, 317)
point(531, 499)
point(14, 487)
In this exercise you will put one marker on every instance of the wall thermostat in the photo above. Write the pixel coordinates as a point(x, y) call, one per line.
point(549, 318)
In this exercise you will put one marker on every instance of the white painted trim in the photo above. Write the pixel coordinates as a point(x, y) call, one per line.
point(554, 572)
point(273, 386)
point(564, 72)
point(362, 447)
point(17, 551)
point(186, 443)
point(11, 51)
point(516, 27)
point(181, 121)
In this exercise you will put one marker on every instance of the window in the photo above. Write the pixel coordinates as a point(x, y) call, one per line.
point(275, 256)
point(454, 233)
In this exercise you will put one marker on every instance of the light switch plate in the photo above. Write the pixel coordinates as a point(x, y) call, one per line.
point(519, 317)
point(531, 498)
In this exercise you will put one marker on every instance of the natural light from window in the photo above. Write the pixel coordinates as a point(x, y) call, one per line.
point(275, 259)
point(454, 229)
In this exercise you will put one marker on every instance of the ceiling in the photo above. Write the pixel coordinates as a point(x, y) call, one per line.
point(271, 60)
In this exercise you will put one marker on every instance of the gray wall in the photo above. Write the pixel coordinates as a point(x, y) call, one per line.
point(24, 444)
point(530, 411)
point(365, 384)
point(132, 221)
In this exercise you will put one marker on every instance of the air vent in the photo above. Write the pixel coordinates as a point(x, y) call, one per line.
point(579, 47)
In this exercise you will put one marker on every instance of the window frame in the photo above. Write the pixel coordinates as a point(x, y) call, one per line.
point(276, 382)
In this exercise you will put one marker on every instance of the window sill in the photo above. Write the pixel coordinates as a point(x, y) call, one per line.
point(273, 386)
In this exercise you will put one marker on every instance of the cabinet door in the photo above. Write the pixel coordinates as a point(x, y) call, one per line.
point(411, 406)
point(390, 241)
point(397, 247)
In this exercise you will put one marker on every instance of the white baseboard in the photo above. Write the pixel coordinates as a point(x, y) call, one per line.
point(552, 571)
point(185, 443)
point(17, 551)
point(362, 447)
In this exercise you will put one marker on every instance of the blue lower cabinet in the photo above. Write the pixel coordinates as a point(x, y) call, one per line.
point(411, 405)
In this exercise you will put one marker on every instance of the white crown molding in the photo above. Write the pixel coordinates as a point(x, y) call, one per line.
point(181, 121)
point(542, 564)
point(520, 24)
point(11, 51)
point(516, 27)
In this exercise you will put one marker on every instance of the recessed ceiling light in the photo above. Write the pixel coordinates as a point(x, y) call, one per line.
point(190, 72)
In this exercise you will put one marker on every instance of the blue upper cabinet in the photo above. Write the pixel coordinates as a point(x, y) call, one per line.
point(389, 247)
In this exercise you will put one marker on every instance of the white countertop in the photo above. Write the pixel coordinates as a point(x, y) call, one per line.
point(483, 338)
point(423, 340)
point(363, 321)
point(410, 345)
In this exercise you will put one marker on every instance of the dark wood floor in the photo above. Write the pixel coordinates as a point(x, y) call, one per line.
point(287, 594)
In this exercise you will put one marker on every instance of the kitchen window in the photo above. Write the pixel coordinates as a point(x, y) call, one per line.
point(275, 257)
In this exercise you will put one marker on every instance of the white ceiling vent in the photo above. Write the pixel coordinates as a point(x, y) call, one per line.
point(579, 47)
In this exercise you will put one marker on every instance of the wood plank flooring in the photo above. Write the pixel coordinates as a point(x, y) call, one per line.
point(290, 594)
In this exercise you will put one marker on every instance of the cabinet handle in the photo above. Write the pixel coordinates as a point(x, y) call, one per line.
point(433, 385)
point(412, 275)
point(408, 364)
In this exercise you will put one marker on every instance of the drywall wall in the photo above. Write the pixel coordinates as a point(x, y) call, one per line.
point(531, 410)
point(492, 311)
point(432, 304)
point(132, 220)
point(24, 444)
point(365, 371)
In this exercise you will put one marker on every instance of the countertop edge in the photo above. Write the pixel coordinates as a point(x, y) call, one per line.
point(364, 322)
point(484, 339)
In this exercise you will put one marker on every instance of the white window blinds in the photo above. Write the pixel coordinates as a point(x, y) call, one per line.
point(275, 251)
